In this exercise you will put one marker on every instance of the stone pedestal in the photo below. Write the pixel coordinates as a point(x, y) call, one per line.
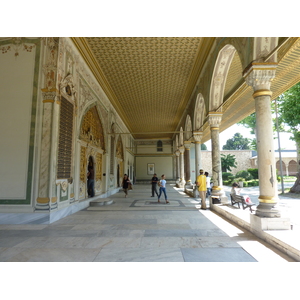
point(262, 223)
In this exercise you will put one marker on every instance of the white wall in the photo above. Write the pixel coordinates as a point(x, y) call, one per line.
point(162, 165)
point(16, 90)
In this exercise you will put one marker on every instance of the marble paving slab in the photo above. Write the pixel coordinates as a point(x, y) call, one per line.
point(184, 233)
point(216, 255)
point(53, 255)
point(141, 255)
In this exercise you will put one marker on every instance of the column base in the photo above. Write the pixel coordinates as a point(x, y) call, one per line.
point(221, 194)
point(267, 210)
point(258, 223)
point(181, 184)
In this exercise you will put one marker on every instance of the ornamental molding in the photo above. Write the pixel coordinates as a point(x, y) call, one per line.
point(17, 44)
point(198, 136)
point(214, 119)
point(260, 75)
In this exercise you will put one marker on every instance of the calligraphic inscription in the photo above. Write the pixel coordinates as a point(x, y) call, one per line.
point(65, 139)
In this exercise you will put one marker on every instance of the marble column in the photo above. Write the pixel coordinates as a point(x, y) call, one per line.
point(177, 153)
point(197, 137)
point(187, 146)
point(217, 189)
point(259, 76)
point(47, 198)
point(182, 180)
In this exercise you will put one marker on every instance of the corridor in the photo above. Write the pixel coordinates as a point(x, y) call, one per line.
point(137, 229)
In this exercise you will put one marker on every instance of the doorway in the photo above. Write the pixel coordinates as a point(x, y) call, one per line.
point(91, 178)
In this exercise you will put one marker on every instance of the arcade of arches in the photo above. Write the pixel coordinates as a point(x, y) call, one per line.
point(132, 105)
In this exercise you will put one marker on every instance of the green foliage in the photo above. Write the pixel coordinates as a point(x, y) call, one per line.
point(253, 183)
point(226, 175)
point(203, 147)
point(238, 142)
point(253, 172)
point(227, 162)
point(244, 174)
point(249, 122)
point(288, 111)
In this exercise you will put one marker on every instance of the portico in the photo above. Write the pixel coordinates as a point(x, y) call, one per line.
point(131, 105)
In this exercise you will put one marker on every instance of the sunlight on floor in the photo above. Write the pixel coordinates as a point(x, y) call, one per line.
point(229, 229)
point(260, 252)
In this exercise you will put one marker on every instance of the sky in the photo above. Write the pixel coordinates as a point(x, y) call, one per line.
point(285, 142)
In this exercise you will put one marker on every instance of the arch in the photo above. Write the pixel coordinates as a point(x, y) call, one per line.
point(263, 46)
point(181, 137)
point(292, 168)
point(199, 112)
point(120, 159)
point(188, 128)
point(220, 72)
point(176, 142)
point(283, 167)
point(159, 146)
point(91, 129)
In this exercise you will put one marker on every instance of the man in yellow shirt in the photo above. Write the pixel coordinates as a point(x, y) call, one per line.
point(201, 183)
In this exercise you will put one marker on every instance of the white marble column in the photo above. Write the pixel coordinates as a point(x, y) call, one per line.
point(259, 76)
point(182, 179)
point(187, 146)
point(177, 153)
point(197, 137)
point(217, 189)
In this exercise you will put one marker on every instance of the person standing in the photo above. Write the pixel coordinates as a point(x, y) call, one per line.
point(154, 182)
point(125, 184)
point(201, 183)
point(91, 181)
point(162, 188)
point(208, 184)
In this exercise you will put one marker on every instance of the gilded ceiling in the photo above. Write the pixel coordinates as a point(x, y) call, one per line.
point(150, 79)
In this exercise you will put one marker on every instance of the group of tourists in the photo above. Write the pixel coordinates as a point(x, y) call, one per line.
point(162, 187)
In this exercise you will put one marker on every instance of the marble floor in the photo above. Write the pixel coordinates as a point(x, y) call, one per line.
point(137, 229)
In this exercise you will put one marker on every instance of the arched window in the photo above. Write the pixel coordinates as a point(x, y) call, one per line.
point(159, 146)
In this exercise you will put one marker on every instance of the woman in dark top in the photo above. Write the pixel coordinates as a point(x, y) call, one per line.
point(125, 184)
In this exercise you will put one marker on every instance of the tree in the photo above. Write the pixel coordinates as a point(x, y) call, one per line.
point(289, 115)
point(238, 142)
point(203, 147)
point(228, 162)
point(250, 122)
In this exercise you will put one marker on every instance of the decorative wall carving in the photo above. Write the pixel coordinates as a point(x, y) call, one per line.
point(91, 129)
point(98, 166)
point(17, 44)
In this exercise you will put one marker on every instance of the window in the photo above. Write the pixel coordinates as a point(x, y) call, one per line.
point(65, 139)
point(159, 146)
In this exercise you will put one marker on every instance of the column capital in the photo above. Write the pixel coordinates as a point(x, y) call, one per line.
point(187, 145)
point(214, 119)
point(259, 76)
point(181, 149)
point(197, 135)
point(177, 152)
point(49, 95)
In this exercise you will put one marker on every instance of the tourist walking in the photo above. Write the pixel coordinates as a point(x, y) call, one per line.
point(154, 182)
point(201, 183)
point(208, 193)
point(162, 188)
point(125, 184)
